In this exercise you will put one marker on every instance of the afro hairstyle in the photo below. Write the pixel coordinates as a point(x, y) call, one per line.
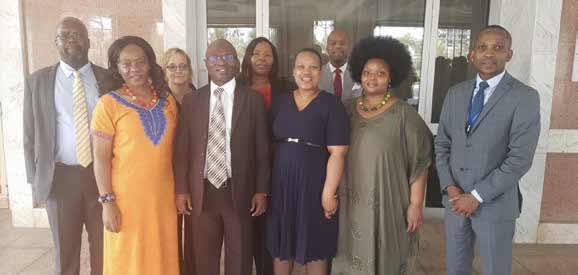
point(394, 53)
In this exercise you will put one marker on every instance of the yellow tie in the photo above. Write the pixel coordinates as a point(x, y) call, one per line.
point(83, 152)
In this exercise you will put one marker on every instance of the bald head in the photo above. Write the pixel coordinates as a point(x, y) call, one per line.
point(72, 42)
point(338, 47)
point(221, 61)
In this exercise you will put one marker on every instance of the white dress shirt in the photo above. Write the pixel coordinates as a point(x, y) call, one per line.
point(227, 98)
point(65, 137)
point(332, 68)
point(493, 83)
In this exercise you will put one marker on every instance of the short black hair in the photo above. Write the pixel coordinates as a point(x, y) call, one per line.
point(313, 51)
point(247, 69)
point(394, 53)
point(497, 28)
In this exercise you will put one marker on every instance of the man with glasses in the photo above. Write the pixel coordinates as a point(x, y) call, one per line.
point(58, 102)
point(222, 164)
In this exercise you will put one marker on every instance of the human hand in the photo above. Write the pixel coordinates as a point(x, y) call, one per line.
point(183, 202)
point(453, 193)
point(414, 217)
point(258, 204)
point(329, 203)
point(111, 217)
point(465, 204)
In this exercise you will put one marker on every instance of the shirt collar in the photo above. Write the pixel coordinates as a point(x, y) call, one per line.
point(342, 68)
point(229, 86)
point(492, 82)
point(68, 70)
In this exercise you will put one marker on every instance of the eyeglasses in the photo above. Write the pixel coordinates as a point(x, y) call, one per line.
point(213, 59)
point(181, 67)
point(67, 36)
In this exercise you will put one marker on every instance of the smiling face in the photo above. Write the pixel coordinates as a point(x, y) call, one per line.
point(222, 62)
point(491, 53)
point(72, 42)
point(375, 77)
point(262, 59)
point(307, 71)
point(133, 66)
point(178, 70)
point(338, 47)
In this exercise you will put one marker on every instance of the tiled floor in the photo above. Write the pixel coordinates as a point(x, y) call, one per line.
point(31, 252)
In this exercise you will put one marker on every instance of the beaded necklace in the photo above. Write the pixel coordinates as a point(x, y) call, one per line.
point(134, 99)
point(365, 109)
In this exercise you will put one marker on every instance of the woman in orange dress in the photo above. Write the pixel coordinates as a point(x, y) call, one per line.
point(133, 129)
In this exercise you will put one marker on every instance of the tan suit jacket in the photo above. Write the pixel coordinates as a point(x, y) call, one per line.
point(250, 157)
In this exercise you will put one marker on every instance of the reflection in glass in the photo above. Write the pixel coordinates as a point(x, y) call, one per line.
point(304, 23)
point(233, 21)
point(459, 24)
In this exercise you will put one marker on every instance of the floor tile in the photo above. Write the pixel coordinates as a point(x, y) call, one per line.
point(13, 260)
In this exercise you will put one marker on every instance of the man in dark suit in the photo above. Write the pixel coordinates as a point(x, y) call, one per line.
point(58, 101)
point(335, 76)
point(222, 164)
point(487, 136)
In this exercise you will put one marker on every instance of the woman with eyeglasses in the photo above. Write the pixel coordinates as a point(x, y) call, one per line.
point(132, 132)
point(311, 129)
point(179, 72)
point(386, 169)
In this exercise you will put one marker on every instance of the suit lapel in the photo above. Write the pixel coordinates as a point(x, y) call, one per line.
point(326, 78)
point(204, 108)
point(347, 81)
point(503, 87)
point(101, 76)
point(464, 101)
point(238, 103)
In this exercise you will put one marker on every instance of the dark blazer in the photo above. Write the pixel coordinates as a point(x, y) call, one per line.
point(40, 126)
point(496, 153)
point(250, 163)
point(279, 87)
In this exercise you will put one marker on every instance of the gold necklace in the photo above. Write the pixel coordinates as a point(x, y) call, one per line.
point(363, 108)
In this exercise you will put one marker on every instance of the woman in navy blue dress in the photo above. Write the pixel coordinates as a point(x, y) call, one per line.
point(311, 129)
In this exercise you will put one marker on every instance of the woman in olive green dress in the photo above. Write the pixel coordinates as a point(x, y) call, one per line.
point(386, 170)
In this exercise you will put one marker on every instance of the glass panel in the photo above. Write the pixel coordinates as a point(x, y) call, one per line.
point(233, 20)
point(304, 23)
point(459, 24)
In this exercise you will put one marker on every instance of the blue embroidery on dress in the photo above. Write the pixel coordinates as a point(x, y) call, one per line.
point(152, 120)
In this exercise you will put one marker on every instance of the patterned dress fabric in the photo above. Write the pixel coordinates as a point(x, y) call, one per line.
point(142, 179)
point(387, 153)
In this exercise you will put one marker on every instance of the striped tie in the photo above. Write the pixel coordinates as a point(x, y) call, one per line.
point(216, 151)
point(81, 132)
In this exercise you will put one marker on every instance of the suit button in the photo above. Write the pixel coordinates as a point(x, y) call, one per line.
point(462, 169)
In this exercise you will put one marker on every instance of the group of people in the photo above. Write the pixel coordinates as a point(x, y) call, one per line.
point(327, 170)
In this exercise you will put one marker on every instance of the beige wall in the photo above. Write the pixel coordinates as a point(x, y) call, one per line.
point(106, 21)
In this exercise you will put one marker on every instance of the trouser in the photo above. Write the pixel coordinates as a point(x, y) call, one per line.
point(72, 205)
point(493, 239)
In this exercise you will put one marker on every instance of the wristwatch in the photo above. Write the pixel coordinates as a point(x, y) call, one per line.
point(110, 197)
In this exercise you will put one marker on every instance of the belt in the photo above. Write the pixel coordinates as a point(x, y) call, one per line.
point(299, 140)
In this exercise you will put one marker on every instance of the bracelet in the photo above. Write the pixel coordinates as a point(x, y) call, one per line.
point(106, 198)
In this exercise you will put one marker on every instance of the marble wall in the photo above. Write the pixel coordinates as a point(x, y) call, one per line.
point(535, 28)
point(106, 21)
point(560, 183)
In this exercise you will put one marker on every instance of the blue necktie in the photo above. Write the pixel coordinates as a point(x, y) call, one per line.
point(477, 105)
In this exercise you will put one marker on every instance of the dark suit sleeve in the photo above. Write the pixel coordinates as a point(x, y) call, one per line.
point(29, 132)
point(443, 144)
point(263, 145)
point(182, 149)
point(524, 134)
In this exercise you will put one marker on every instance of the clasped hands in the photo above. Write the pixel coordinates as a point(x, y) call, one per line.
point(258, 204)
point(463, 204)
